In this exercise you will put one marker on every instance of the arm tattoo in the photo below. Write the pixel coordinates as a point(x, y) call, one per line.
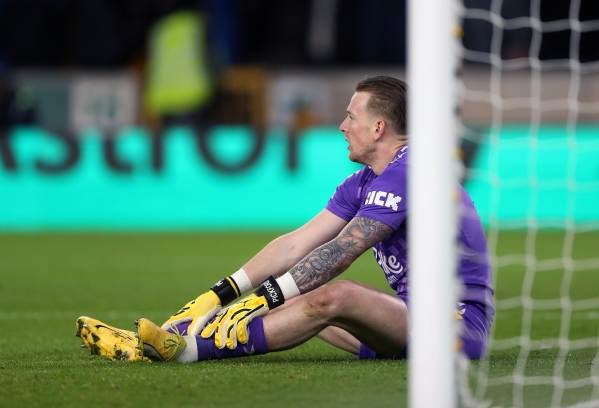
point(331, 259)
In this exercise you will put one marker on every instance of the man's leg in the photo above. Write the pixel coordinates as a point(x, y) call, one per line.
point(376, 319)
point(340, 339)
point(352, 312)
point(332, 335)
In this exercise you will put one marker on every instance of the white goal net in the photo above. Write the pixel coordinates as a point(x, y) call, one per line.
point(529, 94)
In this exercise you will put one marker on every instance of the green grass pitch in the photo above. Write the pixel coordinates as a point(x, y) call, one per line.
point(47, 281)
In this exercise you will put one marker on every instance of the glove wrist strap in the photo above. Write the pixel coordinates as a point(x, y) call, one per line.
point(226, 289)
point(271, 290)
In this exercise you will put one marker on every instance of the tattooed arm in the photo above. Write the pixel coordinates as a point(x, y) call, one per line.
point(283, 253)
point(331, 259)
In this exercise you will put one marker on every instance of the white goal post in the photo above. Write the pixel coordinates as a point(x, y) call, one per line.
point(432, 187)
point(528, 93)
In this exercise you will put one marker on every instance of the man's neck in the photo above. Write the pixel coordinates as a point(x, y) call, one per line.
point(385, 157)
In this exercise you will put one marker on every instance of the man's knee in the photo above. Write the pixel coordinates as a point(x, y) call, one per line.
point(332, 300)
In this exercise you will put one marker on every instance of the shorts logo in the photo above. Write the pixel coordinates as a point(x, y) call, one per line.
point(383, 199)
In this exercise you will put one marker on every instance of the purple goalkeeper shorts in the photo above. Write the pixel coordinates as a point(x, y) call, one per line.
point(474, 333)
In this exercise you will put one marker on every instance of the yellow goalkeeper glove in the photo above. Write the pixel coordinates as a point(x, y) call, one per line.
point(232, 324)
point(202, 309)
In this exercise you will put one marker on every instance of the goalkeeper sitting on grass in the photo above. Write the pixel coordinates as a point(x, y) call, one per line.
point(292, 302)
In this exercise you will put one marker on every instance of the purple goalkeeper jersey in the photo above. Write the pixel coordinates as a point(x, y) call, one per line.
point(383, 198)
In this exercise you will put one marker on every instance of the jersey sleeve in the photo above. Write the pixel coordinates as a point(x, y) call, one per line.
point(386, 199)
point(345, 203)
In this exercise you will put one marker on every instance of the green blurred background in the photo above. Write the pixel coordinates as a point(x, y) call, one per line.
point(510, 180)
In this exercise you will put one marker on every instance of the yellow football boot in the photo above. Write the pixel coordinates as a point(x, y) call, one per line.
point(157, 344)
point(104, 340)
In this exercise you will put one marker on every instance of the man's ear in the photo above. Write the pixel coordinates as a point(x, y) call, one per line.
point(379, 129)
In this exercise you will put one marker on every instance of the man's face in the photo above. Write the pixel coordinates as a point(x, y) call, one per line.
point(359, 127)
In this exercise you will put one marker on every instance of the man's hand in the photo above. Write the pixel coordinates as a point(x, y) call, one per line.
point(198, 312)
point(232, 324)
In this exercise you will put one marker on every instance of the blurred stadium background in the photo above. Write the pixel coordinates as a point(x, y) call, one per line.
point(144, 139)
point(162, 115)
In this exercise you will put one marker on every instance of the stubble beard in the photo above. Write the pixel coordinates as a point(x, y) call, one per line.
point(355, 158)
point(361, 158)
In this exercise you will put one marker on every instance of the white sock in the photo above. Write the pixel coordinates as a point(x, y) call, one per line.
point(190, 354)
